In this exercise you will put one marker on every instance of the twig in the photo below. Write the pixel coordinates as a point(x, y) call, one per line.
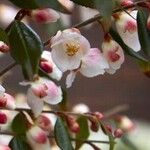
point(10, 66)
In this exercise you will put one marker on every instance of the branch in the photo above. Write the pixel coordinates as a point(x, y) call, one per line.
point(10, 66)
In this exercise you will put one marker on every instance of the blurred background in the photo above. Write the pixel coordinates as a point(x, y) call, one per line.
point(127, 86)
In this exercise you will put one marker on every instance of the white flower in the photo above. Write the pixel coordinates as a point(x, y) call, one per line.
point(92, 64)
point(46, 15)
point(68, 48)
point(4, 48)
point(43, 90)
point(4, 147)
point(127, 28)
point(6, 100)
point(113, 53)
point(37, 138)
point(48, 65)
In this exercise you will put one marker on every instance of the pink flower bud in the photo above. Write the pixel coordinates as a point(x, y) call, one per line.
point(3, 118)
point(126, 2)
point(3, 47)
point(4, 147)
point(94, 124)
point(44, 123)
point(45, 15)
point(118, 133)
point(148, 22)
point(99, 115)
point(10, 103)
point(37, 134)
point(125, 123)
point(72, 124)
point(46, 66)
point(109, 128)
point(3, 102)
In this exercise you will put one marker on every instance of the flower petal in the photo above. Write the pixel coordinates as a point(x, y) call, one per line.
point(93, 63)
point(34, 102)
point(70, 79)
point(2, 91)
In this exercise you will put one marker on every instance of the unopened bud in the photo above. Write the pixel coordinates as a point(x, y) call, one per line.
point(3, 118)
point(45, 15)
point(72, 124)
point(44, 123)
point(109, 128)
point(126, 2)
point(3, 47)
point(46, 66)
point(4, 147)
point(118, 133)
point(99, 115)
point(10, 101)
point(94, 123)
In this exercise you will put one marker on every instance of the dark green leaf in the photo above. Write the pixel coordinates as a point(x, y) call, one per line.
point(144, 35)
point(84, 131)
point(3, 36)
point(18, 143)
point(62, 136)
point(33, 4)
point(103, 6)
point(128, 50)
point(26, 48)
point(20, 124)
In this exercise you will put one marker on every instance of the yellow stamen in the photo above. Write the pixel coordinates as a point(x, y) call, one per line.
point(72, 49)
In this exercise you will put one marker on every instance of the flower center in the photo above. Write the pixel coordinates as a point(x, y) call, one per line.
point(72, 49)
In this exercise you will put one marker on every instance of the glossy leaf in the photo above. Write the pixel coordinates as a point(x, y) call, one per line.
point(103, 6)
point(143, 32)
point(20, 124)
point(18, 143)
point(3, 36)
point(84, 131)
point(33, 4)
point(26, 48)
point(128, 50)
point(62, 136)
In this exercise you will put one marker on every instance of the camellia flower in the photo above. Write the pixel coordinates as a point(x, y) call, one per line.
point(113, 53)
point(6, 100)
point(4, 147)
point(37, 138)
point(49, 66)
point(68, 48)
point(43, 90)
point(92, 64)
point(4, 48)
point(46, 15)
point(127, 29)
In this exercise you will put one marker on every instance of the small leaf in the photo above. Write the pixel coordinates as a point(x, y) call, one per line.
point(20, 124)
point(26, 48)
point(3, 36)
point(62, 136)
point(18, 143)
point(33, 4)
point(84, 131)
point(128, 50)
point(87, 3)
point(143, 32)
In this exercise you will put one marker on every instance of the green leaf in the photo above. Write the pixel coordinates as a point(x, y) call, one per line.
point(103, 6)
point(20, 124)
point(33, 4)
point(143, 32)
point(3, 36)
point(18, 143)
point(127, 49)
point(84, 131)
point(110, 136)
point(26, 48)
point(62, 136)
